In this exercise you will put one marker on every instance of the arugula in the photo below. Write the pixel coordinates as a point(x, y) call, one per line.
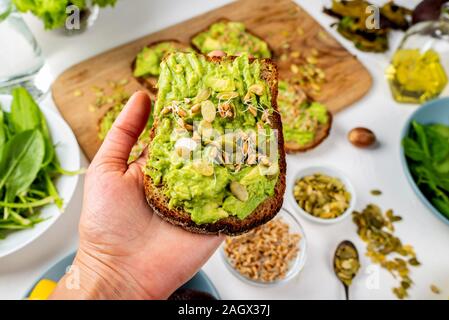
point(427, 151)
point(28, 165)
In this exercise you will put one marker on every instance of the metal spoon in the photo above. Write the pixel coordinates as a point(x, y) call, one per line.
point(346, 264)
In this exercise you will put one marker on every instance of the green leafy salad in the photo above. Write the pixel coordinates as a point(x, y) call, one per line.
point(28, 165)
point(427, 152)
point(53, 12)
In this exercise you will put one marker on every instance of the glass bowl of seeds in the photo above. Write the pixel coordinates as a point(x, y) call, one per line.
point(269, 255)
point(322, 194)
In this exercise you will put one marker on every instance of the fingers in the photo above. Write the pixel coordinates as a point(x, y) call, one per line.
point(114, 152)
point(136, 167)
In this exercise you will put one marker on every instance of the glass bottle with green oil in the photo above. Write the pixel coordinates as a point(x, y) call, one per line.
point(419, 69)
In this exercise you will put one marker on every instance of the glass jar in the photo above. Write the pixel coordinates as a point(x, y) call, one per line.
point(20, 56)
point(419, 69)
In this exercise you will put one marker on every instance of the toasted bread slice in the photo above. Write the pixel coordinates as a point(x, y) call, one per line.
point(231, 225)
point(150, 81)
point(321, 134)
point(225, 20)
point(291, 99)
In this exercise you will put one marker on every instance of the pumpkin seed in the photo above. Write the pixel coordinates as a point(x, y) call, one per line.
point(257, 88)
point(383, 247)
point(203, 167)
point(322, 196)
point(239, 191)
point(208, 111)
point(227, 95)
point(435, 289)
point(203, 95)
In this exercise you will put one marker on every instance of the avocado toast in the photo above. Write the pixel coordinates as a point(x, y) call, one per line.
point(146, 65)
point(216, 161)
point(306, 124)
point(231, 37)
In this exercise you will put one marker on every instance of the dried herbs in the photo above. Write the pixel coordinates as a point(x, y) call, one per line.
point(384, 248)
point(322, 196)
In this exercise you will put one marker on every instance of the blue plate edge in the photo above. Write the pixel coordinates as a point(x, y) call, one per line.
point(71, 257)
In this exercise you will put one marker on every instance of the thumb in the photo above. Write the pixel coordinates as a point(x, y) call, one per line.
point(114, 152)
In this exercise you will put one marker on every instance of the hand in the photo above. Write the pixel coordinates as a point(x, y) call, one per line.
point(126, 251)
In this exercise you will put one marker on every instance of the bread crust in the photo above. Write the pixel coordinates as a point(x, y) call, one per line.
point(232, 226)
point(322, 133)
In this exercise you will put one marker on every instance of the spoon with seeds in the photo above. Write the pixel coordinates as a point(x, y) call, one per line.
point(346, 264)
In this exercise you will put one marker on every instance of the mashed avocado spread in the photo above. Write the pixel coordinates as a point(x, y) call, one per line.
point(149, 58)
point(232, 38)
point(214, 153)
point(300, 118)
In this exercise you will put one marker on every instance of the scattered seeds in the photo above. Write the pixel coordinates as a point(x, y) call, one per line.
point(383, 247)
point(322, 196)
point(435, 289)
point(265, 253)
point(376, 192)
point(346, 263)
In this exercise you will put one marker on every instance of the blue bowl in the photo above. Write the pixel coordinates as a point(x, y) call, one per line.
point(435, 111)
point(199, 282)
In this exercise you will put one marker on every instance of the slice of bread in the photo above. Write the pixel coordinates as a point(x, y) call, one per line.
point(226, 20)
point(150, 82)
point(321, 134)
point(230, 225)
point(298, 96)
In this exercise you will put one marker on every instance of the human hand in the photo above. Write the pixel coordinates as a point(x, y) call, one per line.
point(126, 251)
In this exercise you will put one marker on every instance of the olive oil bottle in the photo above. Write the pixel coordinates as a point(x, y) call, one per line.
point(419, 69)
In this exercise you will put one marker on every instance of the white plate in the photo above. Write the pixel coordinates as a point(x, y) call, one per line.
point(331, 172)
point(68, 152)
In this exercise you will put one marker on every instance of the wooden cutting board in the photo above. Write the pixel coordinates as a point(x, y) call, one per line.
point(277, 22)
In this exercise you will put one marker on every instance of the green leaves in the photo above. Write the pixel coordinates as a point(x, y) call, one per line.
point(427, 151)
point(26, 115)
point(28, 165)
point(23, 158)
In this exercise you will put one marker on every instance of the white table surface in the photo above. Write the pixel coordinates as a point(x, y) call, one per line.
point(368, 169)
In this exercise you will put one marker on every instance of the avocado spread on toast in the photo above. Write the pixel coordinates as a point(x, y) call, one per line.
point(212, 150)
point(148, 60)
point(232, 38)
point(300, 117)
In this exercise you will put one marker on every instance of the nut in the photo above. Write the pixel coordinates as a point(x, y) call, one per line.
point(239, 191)
point(208, 110)
point(362, 137)
point(216, 53)
point(257, 89)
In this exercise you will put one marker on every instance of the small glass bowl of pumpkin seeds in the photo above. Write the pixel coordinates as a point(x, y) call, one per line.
point(323, 194)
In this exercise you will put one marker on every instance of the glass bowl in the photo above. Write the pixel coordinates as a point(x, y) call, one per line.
point(295, 266)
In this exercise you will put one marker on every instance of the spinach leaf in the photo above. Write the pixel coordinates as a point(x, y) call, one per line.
point(413, 150)
point(427, 151)
point(22, 161)
point(26, 115)
point(421, 138)
point(438, 145)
